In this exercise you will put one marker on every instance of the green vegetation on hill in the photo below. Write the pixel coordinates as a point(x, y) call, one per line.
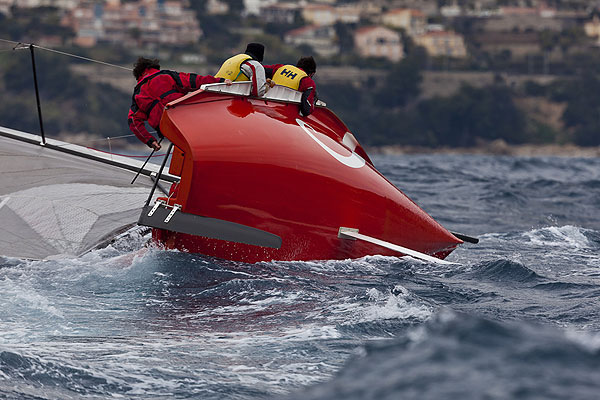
point(471, 115)
point(32, 22)
point(70, 104)
point(582, 114)
point(393, 114)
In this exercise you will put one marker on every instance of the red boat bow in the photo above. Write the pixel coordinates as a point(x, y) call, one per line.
point(256, 162)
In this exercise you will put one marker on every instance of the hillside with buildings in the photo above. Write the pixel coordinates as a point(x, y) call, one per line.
point(406, 72)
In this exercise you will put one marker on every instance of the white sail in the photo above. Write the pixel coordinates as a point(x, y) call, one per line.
point(63, 198)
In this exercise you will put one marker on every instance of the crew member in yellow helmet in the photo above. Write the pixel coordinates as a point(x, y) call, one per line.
point(247, 67)
point(298, 77)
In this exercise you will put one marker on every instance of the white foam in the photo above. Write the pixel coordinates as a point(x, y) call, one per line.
point(311, 332)
point(589, 340)
point(20, 295)
point(397, 305)
point(367, 264)
point(274, 298)
point(400, 304)
point(564, 236)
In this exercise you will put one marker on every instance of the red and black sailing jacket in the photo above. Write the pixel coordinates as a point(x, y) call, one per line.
point(155, 89)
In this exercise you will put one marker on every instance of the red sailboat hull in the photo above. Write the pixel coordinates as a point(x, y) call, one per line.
point(258, 163)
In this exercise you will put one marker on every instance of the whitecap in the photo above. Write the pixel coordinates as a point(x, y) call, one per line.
point(565, 236)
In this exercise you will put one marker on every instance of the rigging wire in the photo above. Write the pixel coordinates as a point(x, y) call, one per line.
point(102, 139)
point(123, 155)
point(83, 58)
point(9, 41)
point(20, 46)
point(109, 138)
point(113, 137)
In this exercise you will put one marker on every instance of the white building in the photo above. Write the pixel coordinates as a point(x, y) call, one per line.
point(321, 38)
point(378, 41)
point(252, 7)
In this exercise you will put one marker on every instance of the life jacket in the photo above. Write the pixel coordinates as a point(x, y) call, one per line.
point(164, 90)
point(231, 68)
point(289, 76)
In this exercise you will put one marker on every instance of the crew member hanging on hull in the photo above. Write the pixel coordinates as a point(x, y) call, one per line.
point(154, 90)
point(247, 67)
point(298, 77)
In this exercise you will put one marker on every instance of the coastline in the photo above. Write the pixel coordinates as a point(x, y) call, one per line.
point(497, 147)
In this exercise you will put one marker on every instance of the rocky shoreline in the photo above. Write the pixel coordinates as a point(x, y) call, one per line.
point(497, 147)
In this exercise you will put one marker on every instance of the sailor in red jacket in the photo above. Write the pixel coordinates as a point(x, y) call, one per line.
point(298, 77)
point(156, 88)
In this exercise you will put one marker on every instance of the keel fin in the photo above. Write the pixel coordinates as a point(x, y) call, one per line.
point(173, 219)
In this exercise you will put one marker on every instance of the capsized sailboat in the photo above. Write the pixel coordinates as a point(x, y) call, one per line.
point(259, 182)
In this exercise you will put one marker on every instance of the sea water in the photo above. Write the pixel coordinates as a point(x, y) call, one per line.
point(517, 316)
